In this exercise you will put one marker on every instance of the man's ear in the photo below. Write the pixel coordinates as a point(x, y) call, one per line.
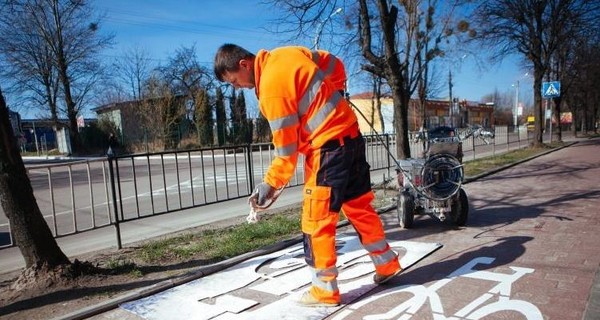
point(245, 64)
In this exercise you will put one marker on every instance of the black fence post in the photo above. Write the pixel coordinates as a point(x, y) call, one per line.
point(387, 143)
point(111, 158)
point(250, 168)
point(118, 183)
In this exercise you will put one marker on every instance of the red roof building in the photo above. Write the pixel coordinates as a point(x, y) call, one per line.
point(437, 112)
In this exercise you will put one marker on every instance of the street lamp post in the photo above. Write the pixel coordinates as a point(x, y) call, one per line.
point(320, 27)
point(35, 138)
point(515, 112)
point(454, 108)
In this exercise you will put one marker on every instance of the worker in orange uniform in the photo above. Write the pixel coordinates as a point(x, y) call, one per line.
point(300, 93)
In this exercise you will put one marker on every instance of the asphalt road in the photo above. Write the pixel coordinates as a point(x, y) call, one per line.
point(76, 196)
point(142, 229)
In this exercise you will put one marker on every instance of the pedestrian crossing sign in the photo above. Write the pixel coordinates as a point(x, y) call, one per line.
point(551, 89)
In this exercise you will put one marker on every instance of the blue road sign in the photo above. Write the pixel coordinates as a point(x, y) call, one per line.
point(551, 89)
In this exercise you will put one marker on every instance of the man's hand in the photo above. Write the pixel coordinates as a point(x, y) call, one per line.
point(261, 194)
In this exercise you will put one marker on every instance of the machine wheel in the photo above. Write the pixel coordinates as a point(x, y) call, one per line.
point(460, 208)
point(406, 210)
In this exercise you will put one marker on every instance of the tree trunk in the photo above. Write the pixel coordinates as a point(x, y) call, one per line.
point(557, 109)
point(401, 123)
point(538, 107)
point(71, 108)
point(377, 82)
point(63, 73)
point(29, 229)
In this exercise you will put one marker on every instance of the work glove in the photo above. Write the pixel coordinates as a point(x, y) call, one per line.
point(261, 194)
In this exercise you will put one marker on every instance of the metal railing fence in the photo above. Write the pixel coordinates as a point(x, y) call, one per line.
point(84, 195)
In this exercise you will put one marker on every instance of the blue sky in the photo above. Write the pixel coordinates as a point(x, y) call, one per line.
point(161, 27)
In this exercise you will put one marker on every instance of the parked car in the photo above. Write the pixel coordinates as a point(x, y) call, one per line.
point(478, 131)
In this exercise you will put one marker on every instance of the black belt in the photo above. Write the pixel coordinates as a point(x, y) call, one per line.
point(338, 142)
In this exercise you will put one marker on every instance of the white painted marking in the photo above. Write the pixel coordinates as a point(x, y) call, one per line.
point(282, 274)
point(474, 310)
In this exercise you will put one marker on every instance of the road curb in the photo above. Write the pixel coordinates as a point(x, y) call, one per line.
point(501, 168)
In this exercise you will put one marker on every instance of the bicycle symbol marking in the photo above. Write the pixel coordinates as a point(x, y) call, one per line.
point(280, 278)
point(472, 311)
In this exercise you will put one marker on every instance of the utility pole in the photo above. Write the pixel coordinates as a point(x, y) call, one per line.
point(35, 138)
point(450, 111)
point(320, 27)
point(516, 110)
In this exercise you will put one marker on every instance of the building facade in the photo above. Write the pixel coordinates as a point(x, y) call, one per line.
point(146, 121)
point(437, 113)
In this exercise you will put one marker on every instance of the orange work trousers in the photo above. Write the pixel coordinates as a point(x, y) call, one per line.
point(337, 178)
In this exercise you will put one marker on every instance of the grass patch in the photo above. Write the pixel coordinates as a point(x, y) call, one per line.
point(123, 266)
point(220, 244)
point(475, 167)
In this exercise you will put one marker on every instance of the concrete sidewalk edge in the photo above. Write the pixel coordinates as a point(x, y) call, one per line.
point(496, 170)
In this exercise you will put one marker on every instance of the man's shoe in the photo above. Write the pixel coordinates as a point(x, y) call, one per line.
point(381, 279)
point(307, 300)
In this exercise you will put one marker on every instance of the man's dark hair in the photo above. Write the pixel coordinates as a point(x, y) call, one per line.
point(228, 57)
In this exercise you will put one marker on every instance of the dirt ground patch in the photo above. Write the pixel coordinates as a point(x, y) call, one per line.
point(55, 295)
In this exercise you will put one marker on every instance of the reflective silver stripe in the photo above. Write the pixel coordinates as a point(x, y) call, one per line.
point(287, 150)
point(381, 259)
point(332, 61)
point(325, 285)
point(315, 57)
point(376, 246)
point(311, 92)
point(283, 122)
point(322, 113)
point(330, 272)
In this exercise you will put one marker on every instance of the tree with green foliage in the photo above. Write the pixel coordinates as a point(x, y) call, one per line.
point(232, 128)
point(245, 123)
point(221, 117)
point(204, 118)
point(262, 130)
point(239, 119)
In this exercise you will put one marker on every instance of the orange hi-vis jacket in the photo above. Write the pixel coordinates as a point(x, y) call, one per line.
point(300, 92)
